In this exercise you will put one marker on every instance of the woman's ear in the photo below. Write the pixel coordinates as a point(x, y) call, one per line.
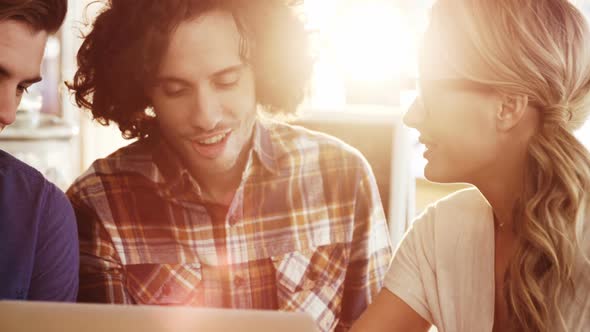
point(511, 111)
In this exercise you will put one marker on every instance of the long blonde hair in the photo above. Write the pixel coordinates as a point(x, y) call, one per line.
point(539, 48)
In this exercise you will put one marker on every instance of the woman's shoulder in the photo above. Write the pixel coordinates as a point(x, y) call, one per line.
point(463, 220)
point(457, 209)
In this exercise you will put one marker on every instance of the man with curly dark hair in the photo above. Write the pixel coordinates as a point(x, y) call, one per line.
point(38, 237)
point(217, 204)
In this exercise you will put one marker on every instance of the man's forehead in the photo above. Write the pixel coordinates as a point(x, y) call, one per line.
point(205, 44)
point(208, 31)
point(14, 29)
point(21, 49)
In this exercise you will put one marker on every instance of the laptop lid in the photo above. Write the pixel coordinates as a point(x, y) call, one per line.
point(17, 316)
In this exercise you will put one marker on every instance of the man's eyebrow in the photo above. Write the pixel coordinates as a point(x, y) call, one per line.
point(228, 70)
point(170, 79)
point(4, 72)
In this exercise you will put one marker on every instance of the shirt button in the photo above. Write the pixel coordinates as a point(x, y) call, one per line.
point(233, 220)
point(239, 281)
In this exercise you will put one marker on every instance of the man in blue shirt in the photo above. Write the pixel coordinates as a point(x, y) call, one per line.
point(38, 236)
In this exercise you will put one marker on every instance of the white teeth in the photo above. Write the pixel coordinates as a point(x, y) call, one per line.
point(214, 139)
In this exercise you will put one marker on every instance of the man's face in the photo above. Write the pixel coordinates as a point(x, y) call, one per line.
point(204, 97)
point(21, 52)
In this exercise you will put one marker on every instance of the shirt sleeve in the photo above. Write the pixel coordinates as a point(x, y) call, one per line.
point(101, 271)
point(55, 271)
point(411, 276)
point(370, 253)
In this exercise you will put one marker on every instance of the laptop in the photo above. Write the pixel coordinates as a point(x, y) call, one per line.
point(17, 316)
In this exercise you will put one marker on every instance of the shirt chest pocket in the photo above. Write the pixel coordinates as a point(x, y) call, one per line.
point(319, 270)
point(165, 284)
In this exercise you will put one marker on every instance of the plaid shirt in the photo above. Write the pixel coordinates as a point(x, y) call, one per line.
point(305, 231)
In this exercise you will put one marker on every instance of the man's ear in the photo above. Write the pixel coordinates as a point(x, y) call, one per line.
point(511, 111)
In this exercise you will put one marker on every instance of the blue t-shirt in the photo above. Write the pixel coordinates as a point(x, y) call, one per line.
point(38, 237)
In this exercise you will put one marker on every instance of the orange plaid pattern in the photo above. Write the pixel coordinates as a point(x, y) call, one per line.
point(305, 232)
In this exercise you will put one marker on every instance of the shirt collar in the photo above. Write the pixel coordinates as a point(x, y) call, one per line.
point(175, 175)
point(263, 146)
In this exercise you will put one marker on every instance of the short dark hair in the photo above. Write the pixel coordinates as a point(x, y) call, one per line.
point(120, 56)
point(41, 15)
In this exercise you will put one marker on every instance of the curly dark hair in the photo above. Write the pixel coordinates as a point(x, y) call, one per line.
point(120, 56)
point(41, 15)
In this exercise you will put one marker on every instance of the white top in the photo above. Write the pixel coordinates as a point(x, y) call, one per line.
point(444, 268)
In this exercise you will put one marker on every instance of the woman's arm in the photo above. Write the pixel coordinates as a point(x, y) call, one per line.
point(388, 313)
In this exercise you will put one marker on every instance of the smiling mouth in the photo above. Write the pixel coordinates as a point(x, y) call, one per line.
point(427, 144)
point(212, 147)
point(214, 139)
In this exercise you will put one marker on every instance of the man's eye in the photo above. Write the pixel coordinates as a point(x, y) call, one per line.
point(227, 80)
point(22, 89)
point(173, 89)
point(173, 93)
point(226, 84)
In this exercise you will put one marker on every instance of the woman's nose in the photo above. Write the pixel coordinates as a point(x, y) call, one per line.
point(415, 114)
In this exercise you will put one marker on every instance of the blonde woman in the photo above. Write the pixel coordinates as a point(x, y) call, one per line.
point(503, 84)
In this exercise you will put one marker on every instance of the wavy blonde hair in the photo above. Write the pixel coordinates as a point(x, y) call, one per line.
point(539, 48)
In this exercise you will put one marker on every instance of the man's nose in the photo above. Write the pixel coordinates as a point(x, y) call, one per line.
point(8, 103)
point(207, 112)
